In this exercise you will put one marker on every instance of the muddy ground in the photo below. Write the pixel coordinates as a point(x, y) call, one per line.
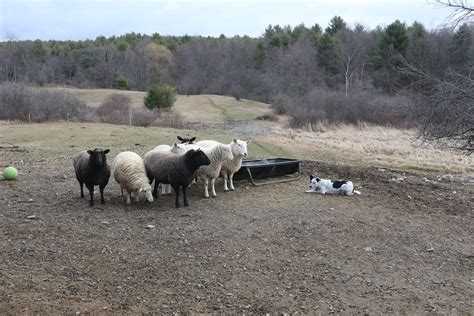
point(403, 246)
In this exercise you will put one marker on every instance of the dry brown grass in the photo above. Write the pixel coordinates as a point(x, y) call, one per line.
point(194, 108)
point(360, 145)
point(370, 145)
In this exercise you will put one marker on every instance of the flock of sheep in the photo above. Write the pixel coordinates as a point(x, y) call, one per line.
point(174, 167)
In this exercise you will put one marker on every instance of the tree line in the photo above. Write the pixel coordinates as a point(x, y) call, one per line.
point(284, 60)
point(337, 74)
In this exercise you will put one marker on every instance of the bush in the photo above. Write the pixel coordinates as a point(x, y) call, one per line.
point(160, 97)
point(115, 109)
point(121, 83)
point(20, 102)
point(334, 107)
point(144, 117)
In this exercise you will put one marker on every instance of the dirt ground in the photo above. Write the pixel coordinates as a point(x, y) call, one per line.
point(406, 245)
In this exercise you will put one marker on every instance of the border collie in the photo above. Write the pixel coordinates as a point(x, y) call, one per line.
point(325, 186)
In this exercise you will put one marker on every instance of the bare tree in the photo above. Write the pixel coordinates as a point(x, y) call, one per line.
point(446, 102)
point(462, 10)
point(445, 107)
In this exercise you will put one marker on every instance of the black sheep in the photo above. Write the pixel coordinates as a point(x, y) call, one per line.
point(92, 169)
point(178, 171)
point(186, 140)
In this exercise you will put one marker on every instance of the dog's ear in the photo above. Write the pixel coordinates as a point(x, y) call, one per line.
point(311, 177)
point(318, 180)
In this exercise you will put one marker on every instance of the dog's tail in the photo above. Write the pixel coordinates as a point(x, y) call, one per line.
point(356, 192)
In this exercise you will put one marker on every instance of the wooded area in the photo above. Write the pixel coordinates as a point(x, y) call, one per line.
point(339, 74)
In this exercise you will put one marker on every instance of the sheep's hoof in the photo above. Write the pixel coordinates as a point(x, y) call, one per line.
point(226, 190)
point(232, 189)
point(206, 196)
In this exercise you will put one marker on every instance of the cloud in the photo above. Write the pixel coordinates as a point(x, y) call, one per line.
point(81, 19)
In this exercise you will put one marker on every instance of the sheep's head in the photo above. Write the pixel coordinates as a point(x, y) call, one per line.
point(97, 157)
point(146, 191)
point(186, 140)
point(239, 147)
point(178, 148)
point(199, 157)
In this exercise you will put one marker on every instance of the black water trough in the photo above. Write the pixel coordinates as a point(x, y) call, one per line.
point(269, 168)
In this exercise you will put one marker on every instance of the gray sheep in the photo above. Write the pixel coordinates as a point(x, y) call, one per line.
point(92, 169)
point(177, 170)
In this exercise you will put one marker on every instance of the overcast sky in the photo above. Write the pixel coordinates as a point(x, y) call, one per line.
point(87, 19)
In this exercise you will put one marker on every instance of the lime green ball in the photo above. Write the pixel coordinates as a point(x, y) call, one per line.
point(10, 173)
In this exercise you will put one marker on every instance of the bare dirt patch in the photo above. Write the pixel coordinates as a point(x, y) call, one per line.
point(403, 246)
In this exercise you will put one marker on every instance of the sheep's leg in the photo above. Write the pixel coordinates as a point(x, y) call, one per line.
point(206, 183)
point(129, 197)
point(137, 196)
point(163, 189)
point(91, 193)
point(82, 189)
point(102, 201)
point(169, 189)
point(213, 187)
point(224, 175)
point(121, 191)
point(185, 197)
point(155, 189)
point(231, 181)
point(176, 194)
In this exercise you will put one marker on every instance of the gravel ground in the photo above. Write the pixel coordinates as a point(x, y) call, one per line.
point(406, 245)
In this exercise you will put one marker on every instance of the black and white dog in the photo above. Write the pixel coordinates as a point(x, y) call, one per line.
point(324, 186)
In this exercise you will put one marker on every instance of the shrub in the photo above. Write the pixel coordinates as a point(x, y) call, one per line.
point(115, 109)
point(160, 97)
point(22, 103)
point(334, 107)
point(121, 83)
point(144, 117)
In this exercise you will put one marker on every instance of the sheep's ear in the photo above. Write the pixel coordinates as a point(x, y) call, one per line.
point(235, 140)
point(180, 138)
point(106, 151)
point(175, 145)
point(192, 139)
point(318, 180)
point(248, 141)
point(89, 152)
point(311, 177)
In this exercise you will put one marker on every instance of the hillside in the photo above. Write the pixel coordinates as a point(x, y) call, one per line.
point(355, 145)
point(194, 108)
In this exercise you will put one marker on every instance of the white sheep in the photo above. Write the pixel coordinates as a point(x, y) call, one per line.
point(230, 166)
point(157, 153)
point(129, 172)
point(217, 154)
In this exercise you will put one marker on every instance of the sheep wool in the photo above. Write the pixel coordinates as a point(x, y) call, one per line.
point(217, 154)
point(129, 172)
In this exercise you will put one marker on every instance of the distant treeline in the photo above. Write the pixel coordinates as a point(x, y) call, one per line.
point(291, 67)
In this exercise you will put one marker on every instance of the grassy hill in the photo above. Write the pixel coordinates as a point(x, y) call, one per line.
point(193, 108)
point(355, 145)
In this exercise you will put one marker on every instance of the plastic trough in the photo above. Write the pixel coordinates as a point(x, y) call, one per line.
point(269, 168)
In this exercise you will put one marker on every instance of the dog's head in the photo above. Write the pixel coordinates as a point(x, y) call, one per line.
point(314, 183)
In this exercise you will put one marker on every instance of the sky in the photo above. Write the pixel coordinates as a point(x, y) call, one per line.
point(87, 19)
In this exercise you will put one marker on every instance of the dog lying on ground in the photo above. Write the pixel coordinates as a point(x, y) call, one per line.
point(324, 186)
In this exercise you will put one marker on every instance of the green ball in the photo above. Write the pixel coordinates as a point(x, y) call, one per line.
point(10, 173)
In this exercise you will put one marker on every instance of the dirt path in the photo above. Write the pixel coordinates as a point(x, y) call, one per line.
point(401, 247)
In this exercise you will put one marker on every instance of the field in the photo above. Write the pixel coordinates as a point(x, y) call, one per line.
point(404, 246)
